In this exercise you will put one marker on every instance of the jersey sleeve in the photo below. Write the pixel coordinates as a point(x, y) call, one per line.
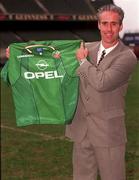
point(68, 57)
point(14, 64)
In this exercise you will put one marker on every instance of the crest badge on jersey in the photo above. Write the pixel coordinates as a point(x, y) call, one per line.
point(42, 65)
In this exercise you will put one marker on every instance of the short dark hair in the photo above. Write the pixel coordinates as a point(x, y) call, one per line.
point(113, 8)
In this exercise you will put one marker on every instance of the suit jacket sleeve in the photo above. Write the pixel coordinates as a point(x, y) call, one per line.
point(109, 78)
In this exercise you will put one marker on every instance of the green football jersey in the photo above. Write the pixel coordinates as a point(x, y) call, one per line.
point(42, 75)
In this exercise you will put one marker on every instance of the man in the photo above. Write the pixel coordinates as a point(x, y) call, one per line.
point(98, 128)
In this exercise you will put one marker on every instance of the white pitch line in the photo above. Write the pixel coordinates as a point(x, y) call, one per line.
point(45, 136)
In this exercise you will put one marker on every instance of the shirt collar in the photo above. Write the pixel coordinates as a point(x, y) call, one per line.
point(108, 50)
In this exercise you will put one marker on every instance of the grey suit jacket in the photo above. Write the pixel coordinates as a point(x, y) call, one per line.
point(100, 110)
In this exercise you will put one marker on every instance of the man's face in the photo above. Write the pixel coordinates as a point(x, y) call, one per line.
point(109, 26)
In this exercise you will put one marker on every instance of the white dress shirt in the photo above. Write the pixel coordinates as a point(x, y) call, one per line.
point(108, 50)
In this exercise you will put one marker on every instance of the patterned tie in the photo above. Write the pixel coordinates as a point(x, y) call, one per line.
point(102, 56)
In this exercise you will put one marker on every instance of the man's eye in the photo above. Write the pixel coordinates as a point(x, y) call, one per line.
point(114, 24)
point(104, 23)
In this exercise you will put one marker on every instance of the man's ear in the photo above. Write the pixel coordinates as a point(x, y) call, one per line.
point(121, 27)
point(98, 24)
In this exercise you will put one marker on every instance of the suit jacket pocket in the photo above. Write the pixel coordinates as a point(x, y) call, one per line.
point(115, 125)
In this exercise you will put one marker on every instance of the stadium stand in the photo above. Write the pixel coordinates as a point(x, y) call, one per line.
point(26, 6)
point(46, 19)
point(49, 34)
point(49, 6)
point(6, 38)
point(98, 3)
point(132, 40)
point(67, 7)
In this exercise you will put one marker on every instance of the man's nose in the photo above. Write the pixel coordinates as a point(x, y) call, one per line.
point(109, 27)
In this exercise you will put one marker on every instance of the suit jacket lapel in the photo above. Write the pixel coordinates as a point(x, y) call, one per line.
point(93, 53)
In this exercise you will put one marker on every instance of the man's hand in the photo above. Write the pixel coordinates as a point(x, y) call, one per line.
point(82, 52)
point(7, 52)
